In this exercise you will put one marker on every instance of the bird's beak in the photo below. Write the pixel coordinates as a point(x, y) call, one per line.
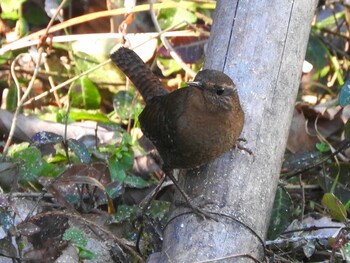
point(197, 84)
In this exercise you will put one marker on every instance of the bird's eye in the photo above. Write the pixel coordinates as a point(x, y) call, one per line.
point(220, 90)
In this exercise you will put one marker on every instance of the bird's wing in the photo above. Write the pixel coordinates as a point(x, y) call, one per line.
point(160, 120)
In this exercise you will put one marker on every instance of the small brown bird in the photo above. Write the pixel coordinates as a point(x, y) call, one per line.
point(190, 126)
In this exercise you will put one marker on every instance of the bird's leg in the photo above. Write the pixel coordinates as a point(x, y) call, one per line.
point(188, 200)
point(144, 204)
point(169, 172)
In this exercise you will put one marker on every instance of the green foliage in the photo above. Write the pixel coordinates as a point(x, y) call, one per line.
point(115, 189)
point(12, 15)
point(11, 100)
point(5, 57)
point(344, 95)
point(77, 237)
point(34, 15)
point(93, 95)
point(6, 220)
point(121, 161)
point(32, 166)
point(77, 147)
point(125, 212)
point(23, 26)
point(335, 206)
point(336, 180)
point(169, 66)
point(85, 95)
point(122, 103)
point(346, 250)
point(80, 114)
point(90, 98)
point(80, 150)
point(136, 182)
point(316, 53)
point(157, 209)
point(87, 55)
point(42, 138)
point(322, 147)
point(10, 5)
point(170, 18)
point(281, 213)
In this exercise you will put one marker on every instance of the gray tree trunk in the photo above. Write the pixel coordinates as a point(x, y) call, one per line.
point(261, 44)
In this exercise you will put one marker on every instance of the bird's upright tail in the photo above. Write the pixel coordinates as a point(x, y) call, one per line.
point(136, 70)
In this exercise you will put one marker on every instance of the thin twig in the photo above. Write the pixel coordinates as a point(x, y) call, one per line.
point(167, 44)
point(89, 17)
point(292, 174)
point(20, 102)
point(44, 94)
point(298, 239)
point(63, 84)
point(92, 36)
point(302, 198)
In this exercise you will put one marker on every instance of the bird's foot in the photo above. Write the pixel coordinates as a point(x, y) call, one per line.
point(242, 148)
point(242, 140)
point(188, 201)
point(196, 210)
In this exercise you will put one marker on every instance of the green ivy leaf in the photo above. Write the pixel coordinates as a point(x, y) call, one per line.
point(44, 137)
point(124, 213)
point(344, 95)
point(115, 189)
point(116, 170)
point(80, 150)
point(136, 182)
point(158, 209)
point(76, 236)
point(281, 214)
point(32, 166)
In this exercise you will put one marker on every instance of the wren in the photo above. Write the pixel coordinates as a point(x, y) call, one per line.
point(192, 125)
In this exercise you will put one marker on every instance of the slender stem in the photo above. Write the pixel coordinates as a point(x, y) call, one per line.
point(20, 100)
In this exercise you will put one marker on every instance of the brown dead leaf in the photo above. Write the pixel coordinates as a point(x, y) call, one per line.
point(47, 242)
point(299, 140)
point(302, 133)
point(70, 183)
